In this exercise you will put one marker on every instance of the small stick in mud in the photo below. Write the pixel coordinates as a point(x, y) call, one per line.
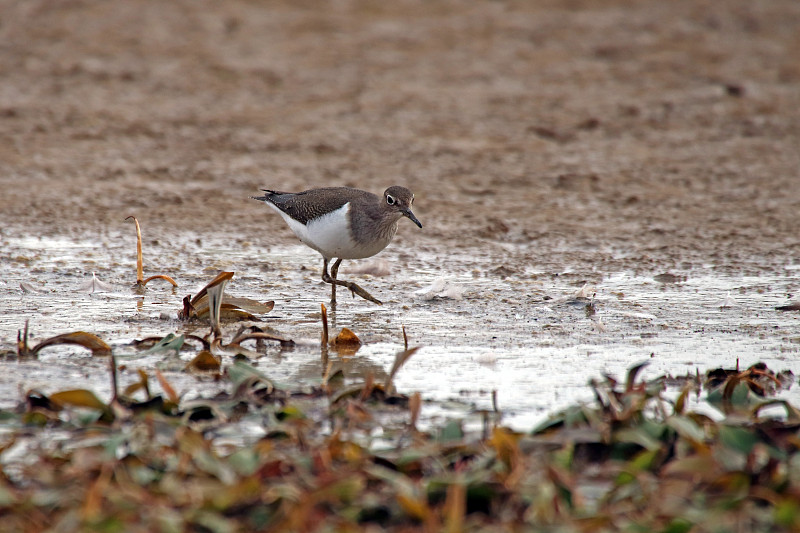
point(113, 362)
point(324, 343)
point(324, 325)
point(140, 281)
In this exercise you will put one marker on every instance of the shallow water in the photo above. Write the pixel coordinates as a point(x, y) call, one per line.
point(519, 331)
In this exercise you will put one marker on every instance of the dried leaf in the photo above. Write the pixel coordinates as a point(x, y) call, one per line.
point(139, 262)
point(248, 304)
point(81, 338)
point(680, 402)
point(399, 360)
point(22, 343)
point(167, 387)
point(93, 500)
point(792, 412)
point(415, 507)
point(506, 445)
point(324, 325)
point(346, 342)
point(226, 312)
point(78, 398)
point(696, 467)
point(455, 507)
point(220, 278)
point(630, 381)
point(260, 335)
point(160, 276)
point(414, 408)
point(204, 361)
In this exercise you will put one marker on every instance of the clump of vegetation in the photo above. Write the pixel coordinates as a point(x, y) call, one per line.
point(636, 459)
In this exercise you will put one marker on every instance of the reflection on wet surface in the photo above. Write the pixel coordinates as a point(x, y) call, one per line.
point(513, 329)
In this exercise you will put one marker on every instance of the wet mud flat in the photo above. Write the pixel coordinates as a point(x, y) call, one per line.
point(535, 339)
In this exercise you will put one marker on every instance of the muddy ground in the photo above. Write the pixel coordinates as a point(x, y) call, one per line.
point(555, 142)
point(609, 134)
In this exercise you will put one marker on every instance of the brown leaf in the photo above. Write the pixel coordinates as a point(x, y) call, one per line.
point(93, 501)
point(261, 335)
point(78, 398)
point(347, 337)
point(413, 506)
point(22, 343)
point(166, 387)
point(324, 325)
point(81, 338)
point(248, 304)
point(455, 507)
point(160, 276)
point(226, 311)
point(399, 360)
point(222, 276)
point(139, 262)
point(205, 362)
point(699, 468)
point(414, 407)
point(346, 342)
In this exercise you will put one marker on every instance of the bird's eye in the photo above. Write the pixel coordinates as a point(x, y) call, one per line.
point(390, 199)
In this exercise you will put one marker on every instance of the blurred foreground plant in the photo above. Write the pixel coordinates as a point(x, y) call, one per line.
point(636, 459)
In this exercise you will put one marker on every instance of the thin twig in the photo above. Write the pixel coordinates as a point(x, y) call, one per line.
point(113, 362)
point(139, 262)
point(324, 325)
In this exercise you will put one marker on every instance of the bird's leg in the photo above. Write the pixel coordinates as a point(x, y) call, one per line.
point(331, 278)
point(334, 273)
point(328, 279)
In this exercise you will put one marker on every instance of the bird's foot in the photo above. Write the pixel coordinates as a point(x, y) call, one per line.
point(355, 289)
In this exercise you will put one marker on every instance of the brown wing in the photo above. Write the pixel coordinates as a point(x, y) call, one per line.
point(308, 205)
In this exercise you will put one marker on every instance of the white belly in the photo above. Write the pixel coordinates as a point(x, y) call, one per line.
point(330, 235)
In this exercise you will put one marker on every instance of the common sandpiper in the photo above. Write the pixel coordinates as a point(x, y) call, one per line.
point(343, 223)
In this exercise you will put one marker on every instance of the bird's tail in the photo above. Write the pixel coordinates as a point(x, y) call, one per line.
point(268, 196)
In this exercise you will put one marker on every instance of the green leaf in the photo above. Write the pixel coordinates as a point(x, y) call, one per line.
point(638, 435)
point(737, 438)
point(644, 460)
point(678, 525)
point(686, 428)
point(740, 400)
point(290, 412)
point(240, 371)
point(451, 431)
point(245, 461)
point(787, 513)
point(170, 342)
